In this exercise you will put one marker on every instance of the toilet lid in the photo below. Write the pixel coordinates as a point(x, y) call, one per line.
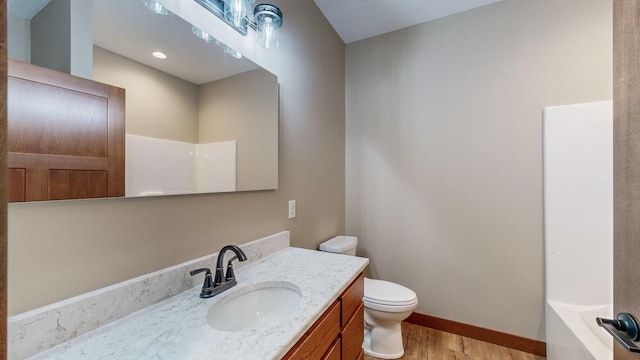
point(387, 293)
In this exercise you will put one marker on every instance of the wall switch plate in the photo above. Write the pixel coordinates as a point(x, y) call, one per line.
point(292, 209)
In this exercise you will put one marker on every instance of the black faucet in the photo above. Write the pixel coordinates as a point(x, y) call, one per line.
point(222, 282)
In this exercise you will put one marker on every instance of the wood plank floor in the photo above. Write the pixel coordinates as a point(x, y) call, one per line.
point(422, 343)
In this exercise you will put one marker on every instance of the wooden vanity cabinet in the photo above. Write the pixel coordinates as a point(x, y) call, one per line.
point(339, 332)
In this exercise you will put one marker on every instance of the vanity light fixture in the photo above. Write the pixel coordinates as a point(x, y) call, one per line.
point(156, 7)
point(266, 19)
point(238, 12)
point(269, 20)
point(159, 55)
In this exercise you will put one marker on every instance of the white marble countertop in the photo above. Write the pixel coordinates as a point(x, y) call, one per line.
point(177, 328)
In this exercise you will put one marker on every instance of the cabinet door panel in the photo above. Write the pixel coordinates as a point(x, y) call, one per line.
point(77, 184)
point(58, 122)
point(37, 184)
point(16, 184)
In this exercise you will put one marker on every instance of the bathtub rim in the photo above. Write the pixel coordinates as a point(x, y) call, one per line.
point(570, 315)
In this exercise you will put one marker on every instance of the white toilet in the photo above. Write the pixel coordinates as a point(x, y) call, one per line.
point(386, 304)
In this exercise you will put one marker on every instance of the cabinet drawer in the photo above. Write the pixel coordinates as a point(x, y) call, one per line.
point(351, 299)
point(315, 343)
point(353, 336)
point(334, 352)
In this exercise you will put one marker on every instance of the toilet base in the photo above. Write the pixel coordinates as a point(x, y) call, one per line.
point(366, 346)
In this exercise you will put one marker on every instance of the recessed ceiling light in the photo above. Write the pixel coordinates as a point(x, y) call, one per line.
point(159, 55)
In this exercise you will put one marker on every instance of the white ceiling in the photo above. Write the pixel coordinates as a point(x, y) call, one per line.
point(355, 20)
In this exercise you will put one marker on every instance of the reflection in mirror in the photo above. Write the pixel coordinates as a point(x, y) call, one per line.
point(202, 119)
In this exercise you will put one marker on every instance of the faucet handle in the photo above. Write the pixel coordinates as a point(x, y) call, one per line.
point(207, 287)
point(230, 275)
point(219, 279)
point(198, 271)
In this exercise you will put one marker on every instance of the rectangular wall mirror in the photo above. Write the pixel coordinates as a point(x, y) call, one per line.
point(199, 117)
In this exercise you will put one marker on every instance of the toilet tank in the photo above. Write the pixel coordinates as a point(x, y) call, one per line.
point(340, 245)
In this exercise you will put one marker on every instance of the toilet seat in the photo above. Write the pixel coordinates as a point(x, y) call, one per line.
point(386, 296)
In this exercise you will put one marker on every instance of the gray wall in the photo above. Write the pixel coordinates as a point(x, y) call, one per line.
point(82, 38)
point(61, 249)
point(18, 38)
point(51, 36)
point(158, 105)
point(444, 155)
point(62, 37)
point(244, 107)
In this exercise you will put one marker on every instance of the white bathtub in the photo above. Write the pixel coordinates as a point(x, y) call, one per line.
point(572, 332)
point(578, 230)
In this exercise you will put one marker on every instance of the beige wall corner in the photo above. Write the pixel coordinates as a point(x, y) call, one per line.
point(444, 151)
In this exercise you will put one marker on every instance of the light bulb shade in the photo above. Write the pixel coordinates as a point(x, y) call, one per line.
point(268, 19)
point(237, 12)
point(201, 34)
point(156, 7)
point(235, 54)
point(229, 51)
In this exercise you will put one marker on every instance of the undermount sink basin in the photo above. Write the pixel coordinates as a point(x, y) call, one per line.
point(254, 306)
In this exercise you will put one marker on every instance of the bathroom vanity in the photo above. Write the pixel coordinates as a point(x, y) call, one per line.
point(326, 322)
point(339, 332)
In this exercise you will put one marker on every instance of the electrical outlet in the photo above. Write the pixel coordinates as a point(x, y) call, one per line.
point(292, 209)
